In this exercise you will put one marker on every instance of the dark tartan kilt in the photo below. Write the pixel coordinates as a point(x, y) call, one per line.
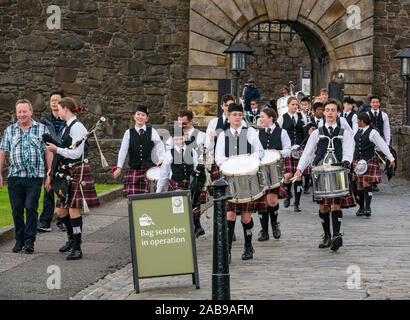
point(260, 205)
point(290, 165)
point(215, 174)
point(184, 185)
point(135, 181)
point(280, 191)
point(308, 170)
point(372, 175)
point(75, 199)
point(348, 201)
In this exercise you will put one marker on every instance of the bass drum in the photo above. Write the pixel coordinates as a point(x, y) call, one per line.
point(153, 175)
point(244, 178)
point(271, 167)
point(330, 181)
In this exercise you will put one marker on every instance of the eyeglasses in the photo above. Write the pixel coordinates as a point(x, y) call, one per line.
point(253, 104)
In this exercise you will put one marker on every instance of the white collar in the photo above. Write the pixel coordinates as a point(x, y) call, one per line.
point(237, 130)
point(177, 148)
point(365, 128)
point(334, 126)
point(70, 121)
point(272, 127)
point(373, 111)
point(190, 132)
point(144, 127)
point(346, 112)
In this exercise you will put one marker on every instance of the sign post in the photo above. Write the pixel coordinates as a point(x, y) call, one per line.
point(162, 236)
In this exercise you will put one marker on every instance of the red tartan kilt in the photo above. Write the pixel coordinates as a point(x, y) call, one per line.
point(372, 175)
point(215, 174)
point(75, 199)
point(290, 165)
point(260, 205)
point(135, 181)
point(184, 185)
point(308, 170)
point(348, 201)
point(280, 191)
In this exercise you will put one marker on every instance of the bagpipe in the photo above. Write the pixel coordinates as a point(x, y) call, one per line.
point(60, 179)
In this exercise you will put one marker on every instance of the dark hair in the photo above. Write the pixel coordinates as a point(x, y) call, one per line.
point(235, 107)
point(359, 103)
point(349, 100)
point(305, 99)
point(364, 116)
point(254, 99)
point(317, 105)
point(271, 114)
point(57, 91)
point(226, 97)
point(375, 97)
point(70, 104)
point(285, 88)
point(186, 113)
point(324, 90)
point(333, 101)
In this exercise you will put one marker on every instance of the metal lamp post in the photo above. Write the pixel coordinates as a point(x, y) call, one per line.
point(404, 57)
point(237, 56)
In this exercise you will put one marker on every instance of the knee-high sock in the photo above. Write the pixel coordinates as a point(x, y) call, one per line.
point(325, 219)
point(273, 213)
point(336, 221)
point(368, 194)
point(298, 191)
point(264, 219)
point(288, 188)
point(247, 231)
point(77, 224)
point(361, 198)
point(231, 231)
point(67, 222)
point(307, 180)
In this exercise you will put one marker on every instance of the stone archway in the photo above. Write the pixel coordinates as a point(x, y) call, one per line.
point(216, 24)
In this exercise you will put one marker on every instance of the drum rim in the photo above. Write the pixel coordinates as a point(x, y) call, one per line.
point(240, 174)
point(260, 195)
point(153, 168)
point(329, 168)
point(272, 162)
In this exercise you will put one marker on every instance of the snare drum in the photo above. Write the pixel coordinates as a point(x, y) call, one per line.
point(244, 178)
point(330, 182)
point(271, 168)
point(153, 177)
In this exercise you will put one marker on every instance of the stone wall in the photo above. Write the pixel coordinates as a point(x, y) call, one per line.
point(110, 55)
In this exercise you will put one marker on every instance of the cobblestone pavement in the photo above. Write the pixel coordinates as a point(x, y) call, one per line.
point(293, 267)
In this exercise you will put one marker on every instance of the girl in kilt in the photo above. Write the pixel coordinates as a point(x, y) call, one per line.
point(316, 149)
point(138, 143)
point(272, 137)
point(71, 214)
point(367, 139)
point(292, 122)
point(243, 137)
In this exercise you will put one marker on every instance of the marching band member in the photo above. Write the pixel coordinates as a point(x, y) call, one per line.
point(292, 122)
point(272, 137)
point(315, 151)
point(138, 142)
point(71, 216)
point(324, 94)
point(349, 114)
point(224, 149)
point(305, 107)
point(253, 115)
point(367, 139)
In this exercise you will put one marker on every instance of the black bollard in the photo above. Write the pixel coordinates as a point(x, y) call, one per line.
point(220, 266)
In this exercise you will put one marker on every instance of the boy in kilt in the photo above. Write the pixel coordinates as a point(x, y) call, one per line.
point(272, 137)
point(246, 141)
point(139, 143)
point(367, 139)
point(292, 122)
point(316, 149)
point(79, 195)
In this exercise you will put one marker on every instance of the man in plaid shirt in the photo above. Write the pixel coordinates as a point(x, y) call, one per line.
point(23, 140)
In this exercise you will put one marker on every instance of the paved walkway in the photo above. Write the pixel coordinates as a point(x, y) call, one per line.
point(290, 268)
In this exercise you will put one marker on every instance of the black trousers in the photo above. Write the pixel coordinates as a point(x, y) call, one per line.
point(48, 207)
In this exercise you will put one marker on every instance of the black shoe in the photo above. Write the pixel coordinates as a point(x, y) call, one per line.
point(375, 188)
point(61, 226)
point(248, 253)
point(297, 208)
point(67, 247)
point(75, 255)
point(337, 242)
point(199, 232)
point(276, 231)
point(286, 203)
point(18, 247)
point(234, 237)
point(367, 212)
point(263, 236)
point(306, 190)
point(326, 241)
point(360, 212)
point(44, 227)
point(29, 246)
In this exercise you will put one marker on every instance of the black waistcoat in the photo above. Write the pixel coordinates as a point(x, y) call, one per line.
point(364, 148)
point(236, 146)
point(183, 170)
point(193, 141)
point(67, 141)
point(349, 118)
point(377, 123)
point(272, 141)
point(323, 144)
point(140, 149)
point(295, 132)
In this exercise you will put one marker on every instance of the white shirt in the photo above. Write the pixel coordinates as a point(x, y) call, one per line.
point(252, 137)
point(77, 132)
point(212, 127)
point(280, 119)
point(286, 143)
point(377, 139)
point(343, 122)
point(201, 139)
point(355, 126)
point(166, 172)
point(125, 144)
point(309, 152)
point(386, 125)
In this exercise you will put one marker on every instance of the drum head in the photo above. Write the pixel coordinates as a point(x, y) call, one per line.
point(270, 157)
point(240, 165)
point(153, 174)
point(327, 168)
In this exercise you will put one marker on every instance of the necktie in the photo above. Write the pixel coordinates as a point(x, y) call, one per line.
point(269, 131)
point(375, 114)
point(317, 123)
point(345, 115)
point(226, 124)
point(293, 119)
point(361, 131)
point(141, 132)
point(331, 131)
